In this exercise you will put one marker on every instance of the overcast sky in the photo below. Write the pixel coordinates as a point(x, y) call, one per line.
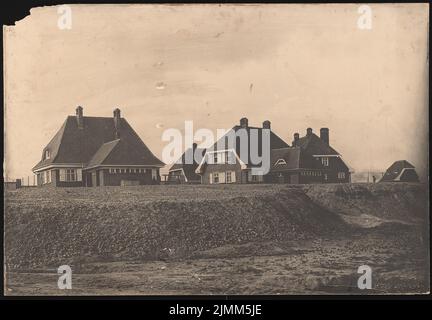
point(298, 66)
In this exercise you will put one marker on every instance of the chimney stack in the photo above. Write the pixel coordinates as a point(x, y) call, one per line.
point(267, 125)
point(324, 135)
point(244, 122)
point(309, 131)
point(79, 117)
point(296, 139)
point(117, 123)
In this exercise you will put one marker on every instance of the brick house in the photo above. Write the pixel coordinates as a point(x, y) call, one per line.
point(334, 169)
point(216, 168)
point(96, 151)
point(311, 159)
point(183, 171)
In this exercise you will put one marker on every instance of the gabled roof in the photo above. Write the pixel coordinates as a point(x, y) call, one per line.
point(293, 158)
point(275, 141)
point(315, 145)
point(188, 169)
point(103, 152)
point(400, 170)
point(79, 146)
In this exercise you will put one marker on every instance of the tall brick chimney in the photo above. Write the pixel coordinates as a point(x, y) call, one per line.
point(296, 139)
point(244, 122)
point(309, 131)
point(79, 117)
point(324, 135)
point(267, 124)
point(117, 123)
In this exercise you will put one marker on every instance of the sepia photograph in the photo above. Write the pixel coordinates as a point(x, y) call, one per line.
point(217, 149)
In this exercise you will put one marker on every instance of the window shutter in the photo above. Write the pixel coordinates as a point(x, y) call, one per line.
point(62, 174)
point(222, 177)
point(233, 176)
point(211, 178)
point(79, 174)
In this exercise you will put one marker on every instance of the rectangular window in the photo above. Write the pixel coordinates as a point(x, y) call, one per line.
point(47, 154)
point(227, 160)
point(254, 178)
point(216, 177)
point(341, 175)
point(325, 161)
point(215, 158)
point(325, 177)
point(70, 175)
point(228, 177)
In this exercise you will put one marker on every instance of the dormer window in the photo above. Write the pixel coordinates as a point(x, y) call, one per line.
point(280, 161)
point(47, 154)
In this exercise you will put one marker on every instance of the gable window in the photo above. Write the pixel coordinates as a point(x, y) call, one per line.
point(325, 161)
point(341, 175)
point(215, 158)
point(47, 154)
point(280, 161)
point(227, 157)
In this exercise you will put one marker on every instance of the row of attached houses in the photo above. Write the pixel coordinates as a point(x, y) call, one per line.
point(106, 151)
point(309, 159)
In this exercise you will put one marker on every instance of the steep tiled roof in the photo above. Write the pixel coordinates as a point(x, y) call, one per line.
point(275, 141)
point(394, 172)
point(188, 169)
point(74, 145)
point(291, 159)
point(315, 145)
point(103, 152)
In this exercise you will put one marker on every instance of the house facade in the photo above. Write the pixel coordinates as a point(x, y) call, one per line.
point(96, 151)
point(335, 170)
point(225, 165)
point(310, 159)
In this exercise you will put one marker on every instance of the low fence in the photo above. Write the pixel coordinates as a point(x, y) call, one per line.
point(20, 183)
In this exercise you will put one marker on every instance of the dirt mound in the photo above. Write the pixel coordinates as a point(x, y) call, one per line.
point(75, 226)
point(50, 234)
point(403, 202)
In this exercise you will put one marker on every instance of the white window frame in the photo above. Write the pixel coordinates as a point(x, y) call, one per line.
point(325, 161)
point(228, 177)
point(280, 161)
point(47, 154)
point(215, 177)
point(341, 175)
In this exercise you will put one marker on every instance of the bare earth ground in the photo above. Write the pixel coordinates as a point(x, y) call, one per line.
point(390, 241)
